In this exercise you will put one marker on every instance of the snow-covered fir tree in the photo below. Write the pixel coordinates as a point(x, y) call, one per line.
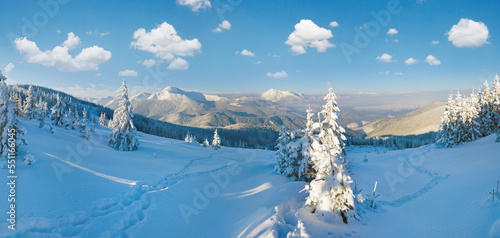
point(123, 135)
point(68, 120)
point(496, 101)
point(102, 119)
point(9, 127)
point(190, 138)
point(29, 109)
point(76, 119)
point(57, 112)
point(330, 192)
point(84, 131)
point(305, 165)
point(448, 122)
point(18, 105)
point(216, 141)
point(41, 112)
point(282, 152)
point(206, 143)
point(486, 111)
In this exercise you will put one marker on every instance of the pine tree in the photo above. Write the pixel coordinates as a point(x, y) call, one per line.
point(206, 143)
point(330, 192)
point(76, 120)
point(68, 120)
point(486, 111)
point(496, 102)
point(123, 135)
point(18, 106)
point(445, 136)
point(306, 170)
point(57, 112)
point(29, 159)
point(84, 131)
point(216, 141)
point(41, 112)
point(9, 127)
point(102, 119)
point(282, 153)
point(29, 109)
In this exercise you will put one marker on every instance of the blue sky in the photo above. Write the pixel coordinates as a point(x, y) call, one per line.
point(210, 61)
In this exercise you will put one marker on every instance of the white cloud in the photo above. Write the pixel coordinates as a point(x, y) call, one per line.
point(247, 53)
point(58, 31)
point(178, 64)
point(334, 24)
point(410, 61)
point(308, 34)
point(149, 63)
point(104, 33)
point(435, 42)
point(396, 40)
point(225, 25)
point(128, 73)
point(98, 74)
point(72, 41)
point(385, 58)
point(432, 60)
point(166, 44)
point(195, 5)
point(468, 33)
point(88, 59)
point(277, 75)
point(258, 62)
point(392, 31)
point(8, 68)
point(398, 73)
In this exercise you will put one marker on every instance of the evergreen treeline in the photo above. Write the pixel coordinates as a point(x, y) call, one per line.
point(469, 118)
point(249, 137)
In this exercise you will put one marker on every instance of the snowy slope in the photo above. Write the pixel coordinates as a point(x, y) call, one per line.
point(176, 94)
point(100, 192)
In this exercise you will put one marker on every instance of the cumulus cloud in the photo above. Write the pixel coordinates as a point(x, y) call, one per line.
point(334, 24)
point(128, 73)
point(164, 42)
point(88, 59)
point(8, 68)
point(432, 60)
point(385, 58)
point(149, 62)
point(392, 31)
point(178, 64)
point(410, 61)
point(468, 33)
point(308, 34)
point(72, 41)
point(435, 42)
point(195, 5)
point(225, 25)
point(247, 53)
point(277, 75)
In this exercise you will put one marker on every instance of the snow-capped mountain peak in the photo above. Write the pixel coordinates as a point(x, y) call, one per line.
point(275, 95)
point(177, 94)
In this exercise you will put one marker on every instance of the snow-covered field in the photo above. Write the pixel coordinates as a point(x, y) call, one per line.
point(169, 188)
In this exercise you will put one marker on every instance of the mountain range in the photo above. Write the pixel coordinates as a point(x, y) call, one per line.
point(272, 108)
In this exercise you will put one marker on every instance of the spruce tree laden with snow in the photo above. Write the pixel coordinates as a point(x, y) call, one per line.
point(206, 143)
point(123, 135)
point(29, 109)
point(9, 127)
point(102, 119)
point(41, 112)
point(282, 152)
point(216, 141)
point(18, 106)
point(57, 112)
point(84, 131)
point(330, 192)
